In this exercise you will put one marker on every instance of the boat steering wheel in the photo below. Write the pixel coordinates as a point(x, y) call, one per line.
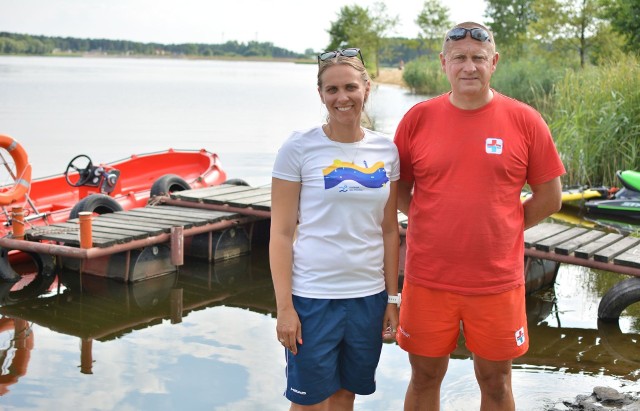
point(84, 170)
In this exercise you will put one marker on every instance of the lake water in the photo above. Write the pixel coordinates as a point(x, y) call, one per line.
point(100, 345)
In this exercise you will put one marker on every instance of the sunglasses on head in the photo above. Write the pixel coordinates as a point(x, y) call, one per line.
point(476, 33)
point(350, 52)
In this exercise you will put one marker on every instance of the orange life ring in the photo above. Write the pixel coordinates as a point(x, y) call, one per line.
point(23, 171)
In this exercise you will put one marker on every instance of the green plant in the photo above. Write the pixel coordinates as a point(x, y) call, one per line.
point(527, 80)
point(595, 120)
point(424, 76)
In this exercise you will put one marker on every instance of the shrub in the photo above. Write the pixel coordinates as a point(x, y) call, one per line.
point(424, 76)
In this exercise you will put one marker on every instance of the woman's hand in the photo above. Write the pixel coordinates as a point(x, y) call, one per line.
point(289, 329)
point(390, 323)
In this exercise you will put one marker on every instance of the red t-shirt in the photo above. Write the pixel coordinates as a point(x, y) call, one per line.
point(466, 220)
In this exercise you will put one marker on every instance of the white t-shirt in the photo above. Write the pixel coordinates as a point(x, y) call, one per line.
point(338, 251)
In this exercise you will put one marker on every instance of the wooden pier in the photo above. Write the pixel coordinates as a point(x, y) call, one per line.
point(191, 222)
point(148, 241)
point(579, 246)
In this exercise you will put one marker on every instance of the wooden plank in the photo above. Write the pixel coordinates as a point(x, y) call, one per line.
point(74, 229)
point(142, 222)
point(542, 231)
point(149, 219)
point(244, 202)
point(133, 234)
point(197, 194)
point(165, 215)
point(588, 250)
point(164, 220)
point(249, 201)
point(630, 258)
point(225, 215)
point(73, 239)
point(606, 254)
point(573, 244)
point(236, 196)
point(98, 227)
point(549, 243)
point(127, 226)
point(186, 213)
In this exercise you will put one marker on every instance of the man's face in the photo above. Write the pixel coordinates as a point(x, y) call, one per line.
point(469, 64)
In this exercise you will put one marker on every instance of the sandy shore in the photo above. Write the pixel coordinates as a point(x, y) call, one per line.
point(390, 76)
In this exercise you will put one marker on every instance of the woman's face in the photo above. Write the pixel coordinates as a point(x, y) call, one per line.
point(344, 93)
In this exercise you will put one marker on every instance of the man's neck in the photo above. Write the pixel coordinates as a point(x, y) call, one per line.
point(471, 102)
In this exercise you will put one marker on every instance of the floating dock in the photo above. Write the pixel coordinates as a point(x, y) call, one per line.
point(219, 222)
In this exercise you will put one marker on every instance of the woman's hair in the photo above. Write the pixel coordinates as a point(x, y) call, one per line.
point(349, 61)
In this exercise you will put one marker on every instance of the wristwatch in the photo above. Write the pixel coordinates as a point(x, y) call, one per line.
point(395, 299)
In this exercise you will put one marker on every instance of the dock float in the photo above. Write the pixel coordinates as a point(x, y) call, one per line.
point(192, 222)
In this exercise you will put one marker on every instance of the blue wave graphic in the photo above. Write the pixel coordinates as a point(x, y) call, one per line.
point(373, 177)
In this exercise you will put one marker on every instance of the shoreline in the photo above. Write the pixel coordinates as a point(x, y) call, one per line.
point(392, 76)
point(388, 75)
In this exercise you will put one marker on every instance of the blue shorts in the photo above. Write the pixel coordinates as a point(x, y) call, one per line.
point(341, 345)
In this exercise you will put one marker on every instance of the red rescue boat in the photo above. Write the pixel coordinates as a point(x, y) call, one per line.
point(98, 188)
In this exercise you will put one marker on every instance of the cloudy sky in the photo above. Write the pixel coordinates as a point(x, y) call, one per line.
point(292, 24)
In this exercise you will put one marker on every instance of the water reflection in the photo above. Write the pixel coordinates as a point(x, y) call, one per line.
point(605, 350)
point(97, 308)
point(214, 323)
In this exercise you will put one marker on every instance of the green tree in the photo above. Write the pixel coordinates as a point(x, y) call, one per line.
point(433, 21)
point(608, 45)
point(350, 29)
point(624, 16)
point(567, 25)
point(360, 27)
point(510, 20)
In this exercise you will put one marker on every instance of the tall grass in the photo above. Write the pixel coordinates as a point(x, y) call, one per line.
point(528, 80)
point(595, 120)
point(424, 76)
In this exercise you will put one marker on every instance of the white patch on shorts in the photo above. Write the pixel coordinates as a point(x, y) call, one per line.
point(520, 337)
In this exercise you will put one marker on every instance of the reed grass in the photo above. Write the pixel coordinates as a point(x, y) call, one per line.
point(530, 81)
point(595, 120)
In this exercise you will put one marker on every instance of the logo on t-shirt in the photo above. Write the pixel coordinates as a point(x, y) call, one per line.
point(341, 171)
point(493, 145)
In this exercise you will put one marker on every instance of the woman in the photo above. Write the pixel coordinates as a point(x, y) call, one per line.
point(336, 283)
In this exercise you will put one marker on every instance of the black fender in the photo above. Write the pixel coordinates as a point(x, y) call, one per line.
point(236, 182)
point(167, 184)
point(96, 203)
point(619, 297)
point(7, 273)
point(45, 265)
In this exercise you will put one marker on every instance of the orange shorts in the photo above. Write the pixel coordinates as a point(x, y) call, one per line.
point(494, 326)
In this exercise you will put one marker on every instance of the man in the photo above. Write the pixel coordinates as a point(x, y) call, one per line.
point(464, 158)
